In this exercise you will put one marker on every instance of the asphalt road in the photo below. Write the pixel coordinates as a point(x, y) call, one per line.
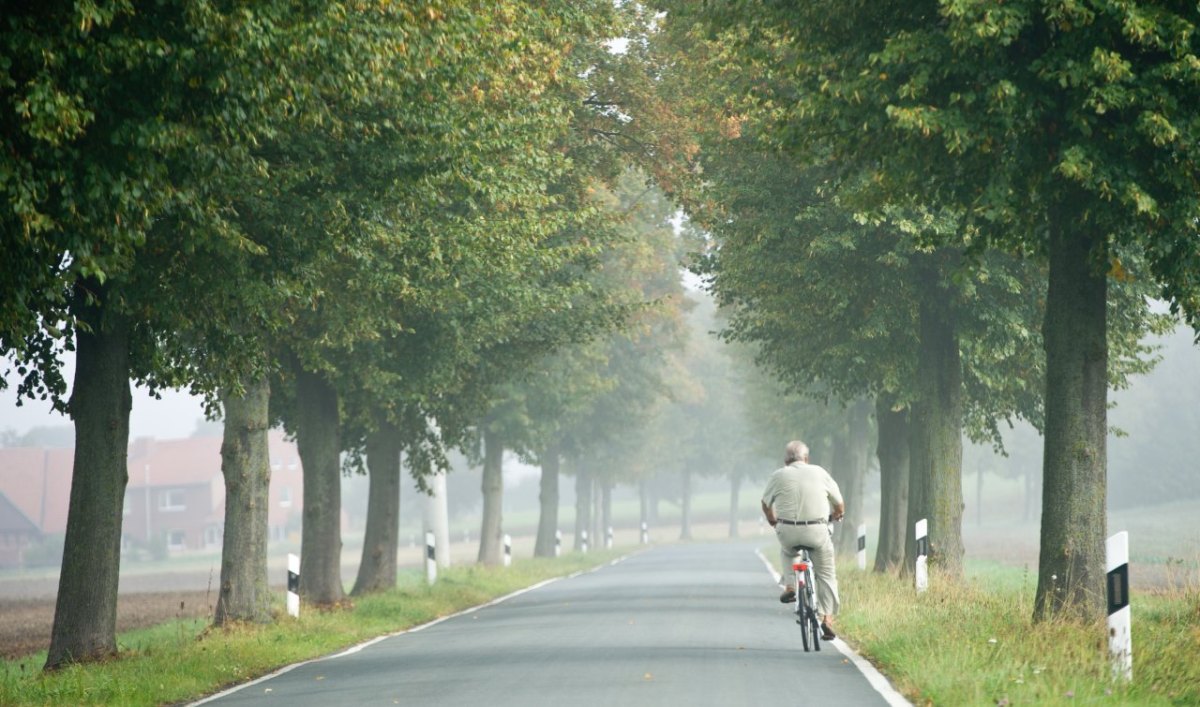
point(676, 625)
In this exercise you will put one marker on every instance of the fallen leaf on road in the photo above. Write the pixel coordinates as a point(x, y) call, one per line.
point(647, 676)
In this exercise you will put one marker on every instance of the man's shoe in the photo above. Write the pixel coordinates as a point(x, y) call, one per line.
point(827, 633)
point(787, 597)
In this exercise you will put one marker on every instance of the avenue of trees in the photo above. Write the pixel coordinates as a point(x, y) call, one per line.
point(396, 228)
point(379, 225)
point(960, 209)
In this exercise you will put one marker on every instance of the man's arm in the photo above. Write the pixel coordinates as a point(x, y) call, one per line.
point(839, 511)
point(769, 513)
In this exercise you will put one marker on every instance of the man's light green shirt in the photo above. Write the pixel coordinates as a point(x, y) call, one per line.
point(802, 491)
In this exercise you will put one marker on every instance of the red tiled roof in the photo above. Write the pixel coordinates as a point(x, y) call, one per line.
point(38, 481)
point(174, 462)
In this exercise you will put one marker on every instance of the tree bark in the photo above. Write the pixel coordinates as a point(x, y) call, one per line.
point(685, 506)
point(583, 504)
point(735, 486)
point(318, 440)
point(935, 485)
point(606, 509)
point(381, 539)
point(492, 528)
point(246, 466)
point(892, 451)
point(858, 445)
point(548, 499)
point(1071, 562)
point(85, 612)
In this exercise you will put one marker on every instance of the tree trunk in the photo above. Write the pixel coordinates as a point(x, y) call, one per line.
point(685, 506)
point(606, 509)
point(381, 539)
point(1071, 577)
point(548, 498)
point(735, 486)
point(490, 540)
point(246, 465)
point(858, 445)
point(318, 440)
point(935, 485)
point(583, 504)
point(841, 464)
point(85, 613)
point(892, 451)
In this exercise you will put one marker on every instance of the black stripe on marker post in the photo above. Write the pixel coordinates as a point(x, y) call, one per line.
point(1118, 589)
point(862, 543)
point(293, 583)
point(430, 554)
point(923, 546)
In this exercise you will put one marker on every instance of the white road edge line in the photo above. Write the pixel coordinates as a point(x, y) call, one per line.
point(873, 676)
point(365, 644)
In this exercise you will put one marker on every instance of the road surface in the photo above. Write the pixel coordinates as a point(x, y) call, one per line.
point(695, 624)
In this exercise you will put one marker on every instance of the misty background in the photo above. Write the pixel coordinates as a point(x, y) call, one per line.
point(1153, 470)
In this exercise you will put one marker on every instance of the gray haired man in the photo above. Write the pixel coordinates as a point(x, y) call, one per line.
point(798, 501)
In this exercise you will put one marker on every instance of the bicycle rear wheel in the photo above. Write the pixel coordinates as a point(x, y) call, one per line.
point(803, 610)
point(812, 626)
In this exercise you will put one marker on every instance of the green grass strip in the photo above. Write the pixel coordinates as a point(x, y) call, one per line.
point(184, 660)
point(976, 644)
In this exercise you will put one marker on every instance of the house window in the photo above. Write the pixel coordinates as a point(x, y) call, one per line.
point(276, 465)
point(285, 497)
point(212, 535)
point(171, 500)
point(176, 540)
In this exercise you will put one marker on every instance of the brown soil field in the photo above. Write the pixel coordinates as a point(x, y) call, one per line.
point(27, 623)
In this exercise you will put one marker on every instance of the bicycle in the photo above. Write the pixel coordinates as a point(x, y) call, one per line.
point(806, 601)
point(806, 596)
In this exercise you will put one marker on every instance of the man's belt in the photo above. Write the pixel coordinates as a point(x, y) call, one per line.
point(818, 521)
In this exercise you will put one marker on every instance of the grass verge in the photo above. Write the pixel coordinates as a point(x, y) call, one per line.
point(975, 643)
point(184, 660)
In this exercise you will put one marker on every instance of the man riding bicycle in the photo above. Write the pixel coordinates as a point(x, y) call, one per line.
point(798, 501)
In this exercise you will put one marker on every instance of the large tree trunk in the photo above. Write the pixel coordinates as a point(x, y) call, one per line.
point(246, 466)
point(490, 540)
point(935, 485)
point(85, 614)
point(377, 571)
point(1071, 562)
point(606, 508)
point(858, 445)
point(892, 451)
point(548, 498)
point(735, 486)
point(318, 439)
point(685, 506)
point(583, 504)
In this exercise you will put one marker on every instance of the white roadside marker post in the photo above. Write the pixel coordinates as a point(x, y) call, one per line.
point(583, 540)
point(608, 539)
point(921, 572)
point(293, 586)
point(1120, 642)
point(430, 557)
point(862, 546)
point(645, 533)
point(507, 550)
point(557, 543)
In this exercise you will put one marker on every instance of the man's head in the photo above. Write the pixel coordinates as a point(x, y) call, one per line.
point(796, 451)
